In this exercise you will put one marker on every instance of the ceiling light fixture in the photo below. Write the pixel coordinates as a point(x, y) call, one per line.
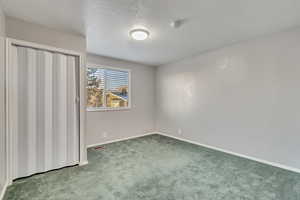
point(139, 34)
point(138, 31)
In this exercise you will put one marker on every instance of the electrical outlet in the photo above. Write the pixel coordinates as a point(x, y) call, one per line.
point(179, 131)
point(104, 134)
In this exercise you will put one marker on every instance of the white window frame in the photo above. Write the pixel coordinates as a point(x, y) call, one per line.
point(99, 66)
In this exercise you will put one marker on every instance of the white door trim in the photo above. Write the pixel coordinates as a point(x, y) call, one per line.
point(82, 94)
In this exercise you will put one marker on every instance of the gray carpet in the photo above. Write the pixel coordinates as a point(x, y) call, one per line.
point(160, 168)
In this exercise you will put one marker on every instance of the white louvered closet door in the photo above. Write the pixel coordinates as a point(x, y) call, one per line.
point(45, 125)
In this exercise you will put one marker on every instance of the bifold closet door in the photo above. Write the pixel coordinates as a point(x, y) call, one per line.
point(45, 125)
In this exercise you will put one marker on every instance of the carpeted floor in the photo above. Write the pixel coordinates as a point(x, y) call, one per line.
point(160, 168)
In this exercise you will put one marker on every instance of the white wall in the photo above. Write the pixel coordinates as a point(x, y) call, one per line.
point(22, 30)
point(2, 101)
point(242, 98)
point(121, 124)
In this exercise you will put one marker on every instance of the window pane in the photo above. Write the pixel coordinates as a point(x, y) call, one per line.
point(107, 88)
point(116, 88)
point(95, 87)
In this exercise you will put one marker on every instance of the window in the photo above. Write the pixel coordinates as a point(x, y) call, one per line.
point(108, 89)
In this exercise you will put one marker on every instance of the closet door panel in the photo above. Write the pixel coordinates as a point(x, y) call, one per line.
point(45, 113)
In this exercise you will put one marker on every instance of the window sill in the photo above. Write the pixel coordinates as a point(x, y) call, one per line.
point(106, 109)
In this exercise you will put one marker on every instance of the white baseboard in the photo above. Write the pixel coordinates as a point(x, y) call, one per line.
point(83, 163)
point(121, 139)
point(293, 169)
point(2, 192)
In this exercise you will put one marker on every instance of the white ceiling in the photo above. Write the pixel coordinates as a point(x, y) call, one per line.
point(210, 23)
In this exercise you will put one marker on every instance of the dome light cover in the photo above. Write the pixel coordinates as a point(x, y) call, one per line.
point(139, 34)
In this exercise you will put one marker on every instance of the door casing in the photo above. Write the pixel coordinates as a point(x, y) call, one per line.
point(82, 101)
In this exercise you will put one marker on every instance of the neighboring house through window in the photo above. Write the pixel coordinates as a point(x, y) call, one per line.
point(108, 88)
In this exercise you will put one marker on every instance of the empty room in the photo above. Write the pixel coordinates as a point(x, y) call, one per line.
point(149, 100)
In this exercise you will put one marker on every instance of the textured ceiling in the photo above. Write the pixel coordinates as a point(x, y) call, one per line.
point(209, 23)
